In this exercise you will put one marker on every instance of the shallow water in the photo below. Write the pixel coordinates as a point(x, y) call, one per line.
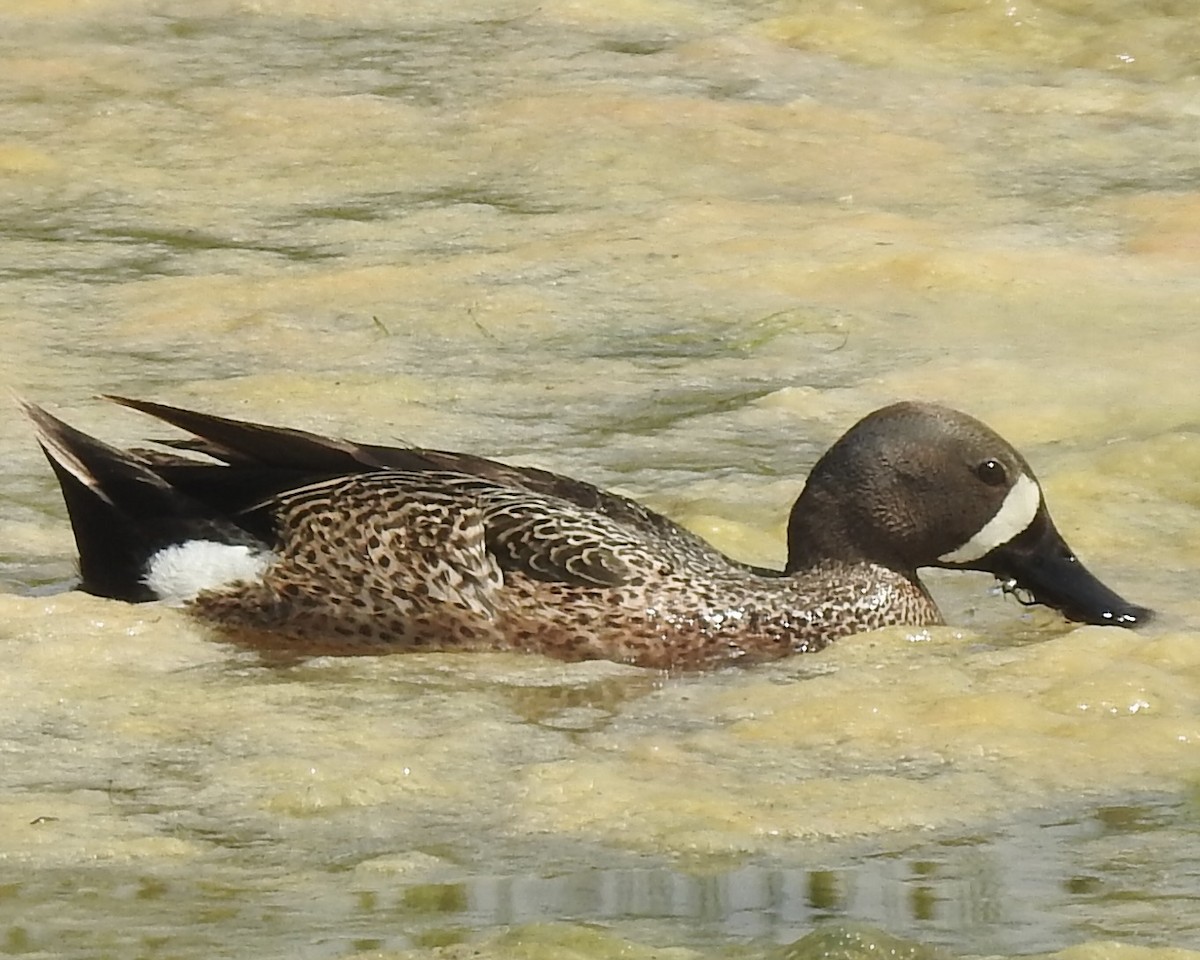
point(674, 248)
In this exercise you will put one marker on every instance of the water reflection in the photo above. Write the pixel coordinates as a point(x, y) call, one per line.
point(1016, 891)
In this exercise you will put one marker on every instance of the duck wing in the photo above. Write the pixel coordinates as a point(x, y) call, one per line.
point(472, 525)
point(526, 503)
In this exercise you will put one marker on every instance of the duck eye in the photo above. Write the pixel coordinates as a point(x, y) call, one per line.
point(992, 472)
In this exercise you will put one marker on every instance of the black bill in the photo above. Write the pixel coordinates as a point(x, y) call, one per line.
point(1038, 567)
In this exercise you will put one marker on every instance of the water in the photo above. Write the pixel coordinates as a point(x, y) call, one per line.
point(676, 249)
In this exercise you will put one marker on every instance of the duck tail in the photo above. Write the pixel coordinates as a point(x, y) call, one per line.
point(122, 511)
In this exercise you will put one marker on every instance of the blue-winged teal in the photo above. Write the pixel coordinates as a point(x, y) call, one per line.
point(292, 540)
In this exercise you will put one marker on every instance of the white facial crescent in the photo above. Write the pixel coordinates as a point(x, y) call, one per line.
point(1015, 514)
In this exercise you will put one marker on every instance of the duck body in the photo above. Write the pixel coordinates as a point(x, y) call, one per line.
point(393, 560)
point(289, 540)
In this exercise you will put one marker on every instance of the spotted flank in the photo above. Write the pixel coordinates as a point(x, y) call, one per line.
point(285, 539)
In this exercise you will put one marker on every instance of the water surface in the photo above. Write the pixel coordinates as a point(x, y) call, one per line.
point(675, 248)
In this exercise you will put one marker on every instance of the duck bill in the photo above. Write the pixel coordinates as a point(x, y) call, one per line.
point(1038, 563)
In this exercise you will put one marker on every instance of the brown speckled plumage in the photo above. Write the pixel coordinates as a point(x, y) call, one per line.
point(392, 561)
point(371, 549)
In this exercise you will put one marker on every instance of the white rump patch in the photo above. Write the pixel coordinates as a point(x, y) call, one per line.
point(177, 573)
point(1015, 514)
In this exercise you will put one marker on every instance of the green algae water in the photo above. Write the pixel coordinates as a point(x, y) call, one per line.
point(674, 248)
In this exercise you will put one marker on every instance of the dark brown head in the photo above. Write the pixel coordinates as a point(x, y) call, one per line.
point(920, 485)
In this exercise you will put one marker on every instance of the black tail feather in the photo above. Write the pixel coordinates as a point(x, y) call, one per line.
point(121, 510)
point(240, 442)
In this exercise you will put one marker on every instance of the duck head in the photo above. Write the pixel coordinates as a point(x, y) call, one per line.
point(920, 485)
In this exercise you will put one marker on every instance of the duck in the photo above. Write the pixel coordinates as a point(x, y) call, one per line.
point(286, 540)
